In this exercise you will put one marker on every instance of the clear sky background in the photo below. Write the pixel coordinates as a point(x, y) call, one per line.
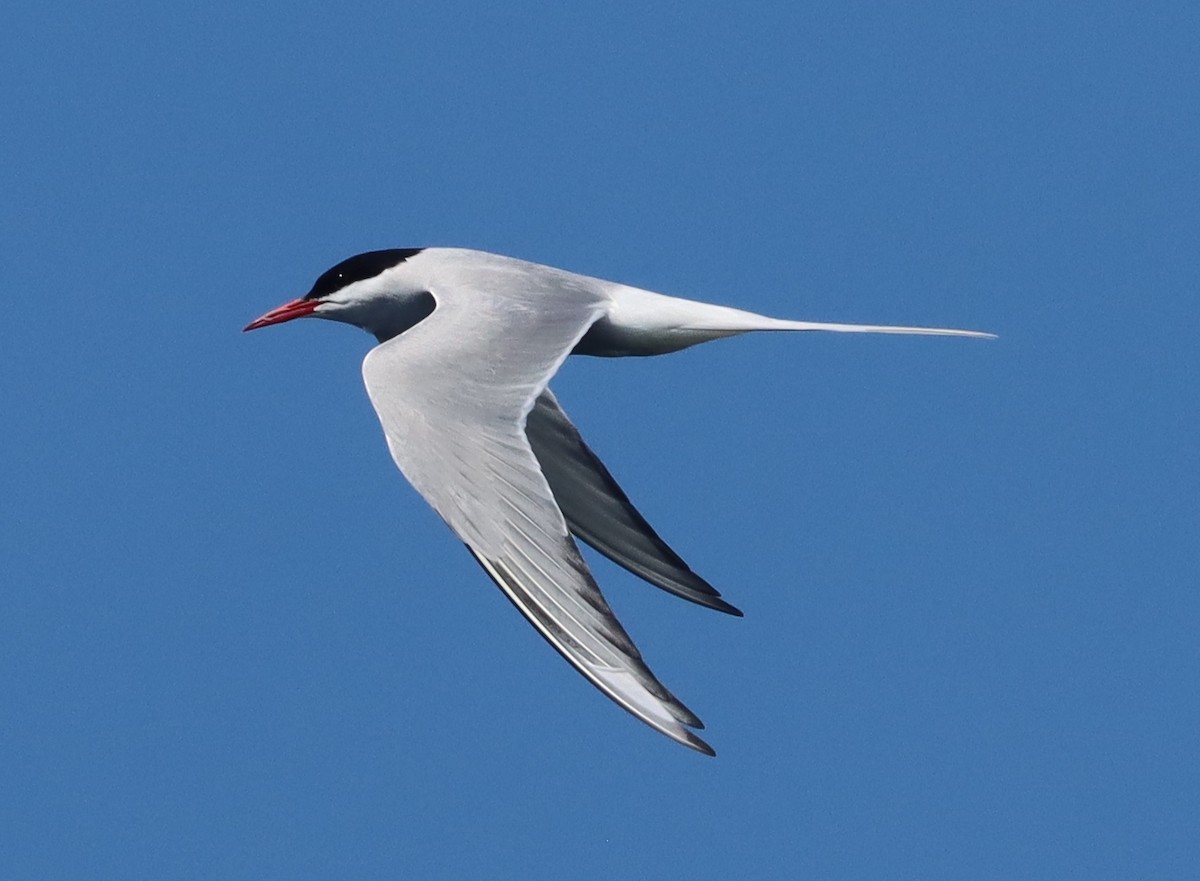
point(235, 644)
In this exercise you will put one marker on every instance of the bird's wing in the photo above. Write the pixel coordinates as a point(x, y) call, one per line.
point(598, 511)
point(452, 395)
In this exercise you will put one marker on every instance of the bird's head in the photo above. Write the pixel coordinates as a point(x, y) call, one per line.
point(370, 290)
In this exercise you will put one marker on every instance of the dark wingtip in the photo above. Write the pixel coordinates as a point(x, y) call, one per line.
point(700, 746)
point(721, 606)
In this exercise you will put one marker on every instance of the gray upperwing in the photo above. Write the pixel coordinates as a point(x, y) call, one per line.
point(598, 511)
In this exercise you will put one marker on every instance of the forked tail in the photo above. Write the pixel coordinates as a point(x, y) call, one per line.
point(782, 324)
point(645, 323)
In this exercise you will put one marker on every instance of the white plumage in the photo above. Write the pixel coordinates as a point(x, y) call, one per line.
point(468, 344)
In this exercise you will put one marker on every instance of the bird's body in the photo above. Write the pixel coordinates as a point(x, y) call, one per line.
point(468, 344)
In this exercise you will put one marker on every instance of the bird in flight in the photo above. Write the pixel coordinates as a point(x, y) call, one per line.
point(468, 343)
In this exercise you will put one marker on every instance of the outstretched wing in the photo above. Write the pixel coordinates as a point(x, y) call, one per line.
point(598, 511)
point(453, 394)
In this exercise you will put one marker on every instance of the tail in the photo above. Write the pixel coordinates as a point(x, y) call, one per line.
point(644, 323)
point(701, 317)
point(765, 323)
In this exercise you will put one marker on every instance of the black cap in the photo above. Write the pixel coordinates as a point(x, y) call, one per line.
point(358, 268)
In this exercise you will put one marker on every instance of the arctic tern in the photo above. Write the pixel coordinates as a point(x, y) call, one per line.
point(468, 343)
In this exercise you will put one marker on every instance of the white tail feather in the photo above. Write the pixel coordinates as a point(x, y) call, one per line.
point(645, 323)
point(782, 324)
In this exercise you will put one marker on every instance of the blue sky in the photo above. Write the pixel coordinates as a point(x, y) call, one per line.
point(235, 644)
